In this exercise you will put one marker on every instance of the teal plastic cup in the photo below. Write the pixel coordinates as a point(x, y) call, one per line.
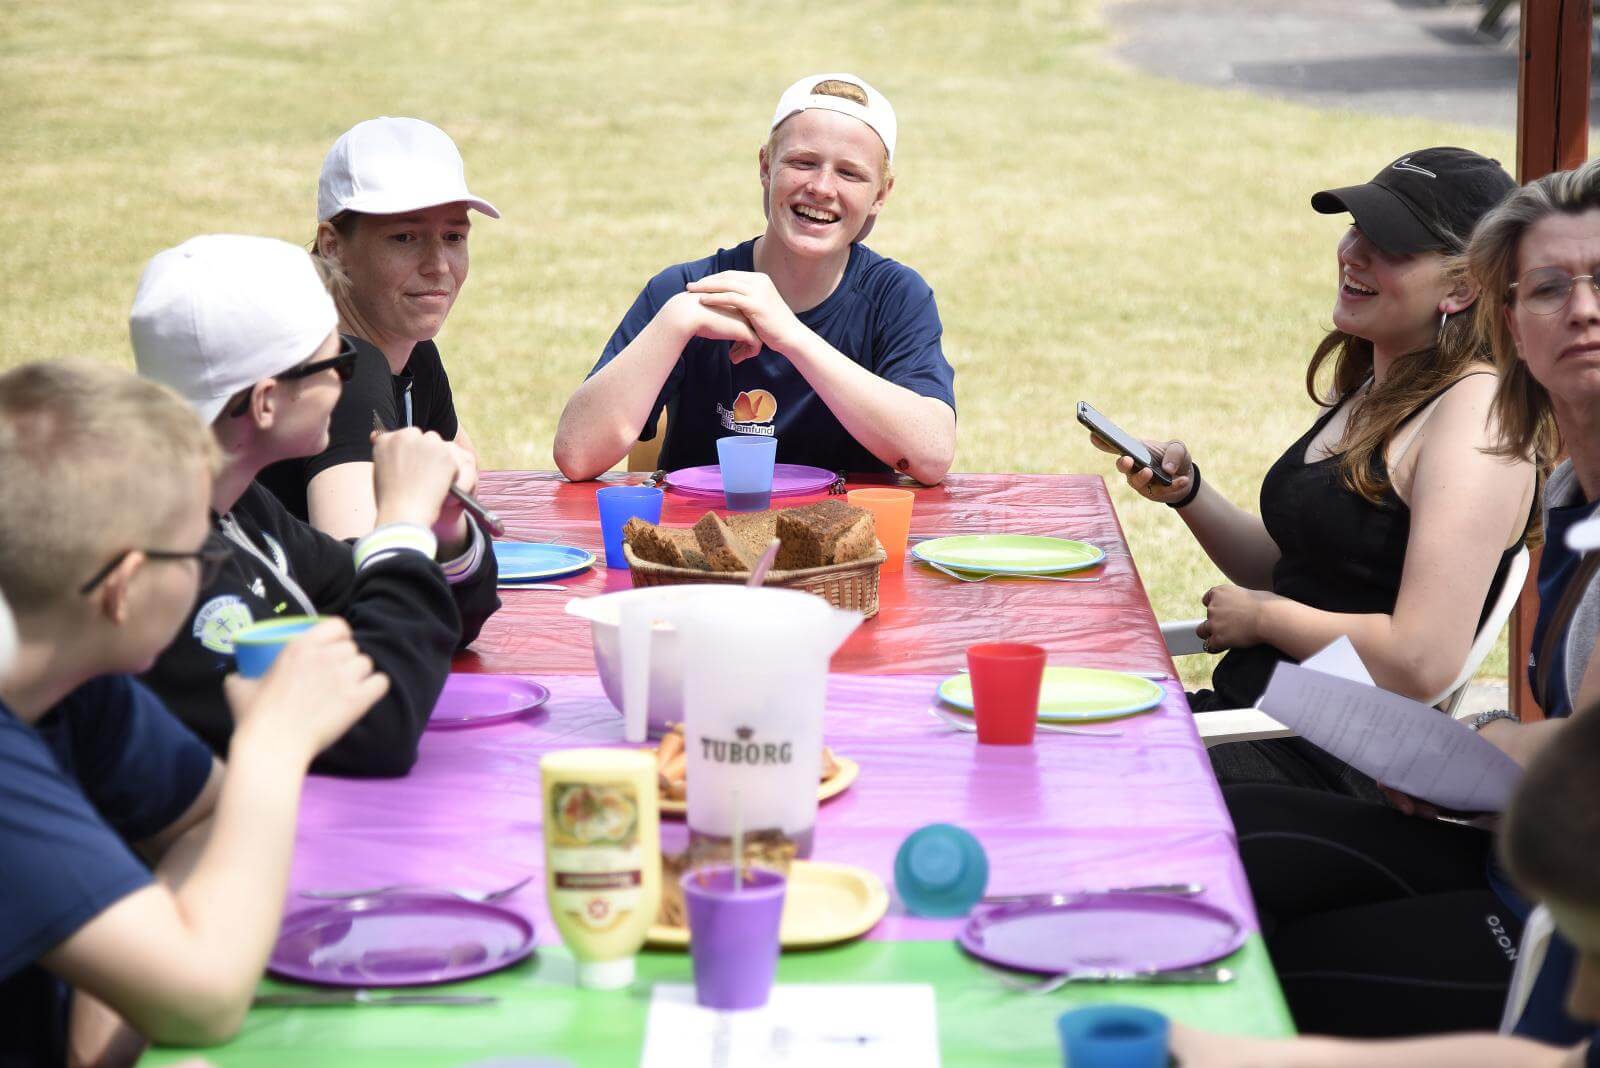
point(747, 461)
point(1113, 1036)
point(258, 645)
point(940, 870)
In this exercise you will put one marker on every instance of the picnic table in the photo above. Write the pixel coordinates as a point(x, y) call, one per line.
point(1068, 812)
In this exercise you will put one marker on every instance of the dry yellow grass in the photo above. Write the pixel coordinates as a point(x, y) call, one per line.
point(1091, 232)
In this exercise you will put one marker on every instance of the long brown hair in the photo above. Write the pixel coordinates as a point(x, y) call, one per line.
point(1522, 406)
point(1412, 381)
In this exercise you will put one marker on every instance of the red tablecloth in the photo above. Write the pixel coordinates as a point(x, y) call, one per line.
point(925, 621)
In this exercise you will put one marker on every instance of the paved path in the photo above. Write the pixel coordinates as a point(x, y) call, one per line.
point(1392, 57)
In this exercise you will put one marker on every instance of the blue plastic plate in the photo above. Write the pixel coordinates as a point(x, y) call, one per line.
point(526, 561)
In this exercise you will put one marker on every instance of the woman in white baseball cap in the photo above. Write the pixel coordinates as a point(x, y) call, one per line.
point(803, 333)
point(392, 227)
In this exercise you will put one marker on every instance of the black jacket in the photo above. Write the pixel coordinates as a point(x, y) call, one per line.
point(404, 615)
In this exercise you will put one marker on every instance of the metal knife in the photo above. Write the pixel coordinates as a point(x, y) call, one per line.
point(327, 998)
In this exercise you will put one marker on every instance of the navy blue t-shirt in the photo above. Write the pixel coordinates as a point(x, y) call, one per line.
point(106, 767)
point(882, 315)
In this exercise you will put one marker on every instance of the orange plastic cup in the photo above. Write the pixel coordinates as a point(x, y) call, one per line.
point(891, 512)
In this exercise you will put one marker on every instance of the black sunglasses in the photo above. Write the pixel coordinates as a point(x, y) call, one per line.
point(344, 363)
point(211, 556)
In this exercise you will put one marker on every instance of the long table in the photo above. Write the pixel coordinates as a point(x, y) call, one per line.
point(926, 620)
point(1068, 812)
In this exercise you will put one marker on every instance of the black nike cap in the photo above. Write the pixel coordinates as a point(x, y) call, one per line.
point(1426, 201)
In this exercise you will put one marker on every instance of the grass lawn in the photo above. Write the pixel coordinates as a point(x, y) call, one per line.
point(1090, 232)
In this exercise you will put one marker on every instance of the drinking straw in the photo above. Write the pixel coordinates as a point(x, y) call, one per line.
point(738, 845)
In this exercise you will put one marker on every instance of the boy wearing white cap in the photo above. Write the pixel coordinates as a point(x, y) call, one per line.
point(392, 229)
point(104, 541)
point(803, 333)
point(242, 328)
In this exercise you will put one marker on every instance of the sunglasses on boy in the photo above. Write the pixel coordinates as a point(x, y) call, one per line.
point(344, 363)
point(211, 557)
point(1547, 290)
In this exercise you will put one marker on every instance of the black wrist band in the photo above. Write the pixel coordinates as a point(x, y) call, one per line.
point(1194, 487)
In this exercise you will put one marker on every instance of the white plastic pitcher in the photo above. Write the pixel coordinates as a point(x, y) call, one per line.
point(755, 676)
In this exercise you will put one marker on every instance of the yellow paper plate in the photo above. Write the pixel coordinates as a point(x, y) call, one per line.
point(848, 770)
point(824, 903)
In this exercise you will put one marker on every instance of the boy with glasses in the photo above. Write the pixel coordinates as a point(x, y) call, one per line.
point(242, 328)
point(103, 542)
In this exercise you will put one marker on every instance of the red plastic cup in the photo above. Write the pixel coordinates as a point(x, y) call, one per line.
point(1005, 691)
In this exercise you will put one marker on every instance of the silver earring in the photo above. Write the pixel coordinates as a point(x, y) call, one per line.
point(1444, 317)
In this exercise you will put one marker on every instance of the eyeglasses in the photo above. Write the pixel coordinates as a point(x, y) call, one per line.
point(211, 557)
point(1547, 290)
point(344, 363)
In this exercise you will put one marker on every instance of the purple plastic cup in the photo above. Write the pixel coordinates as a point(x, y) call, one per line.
point(733, 936)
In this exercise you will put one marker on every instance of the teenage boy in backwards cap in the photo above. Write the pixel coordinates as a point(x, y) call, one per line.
point(242, 328)
point(1550, 843)
point(104, 540)
point(802, 333)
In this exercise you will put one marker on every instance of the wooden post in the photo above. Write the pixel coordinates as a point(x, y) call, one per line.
point(1552, 135)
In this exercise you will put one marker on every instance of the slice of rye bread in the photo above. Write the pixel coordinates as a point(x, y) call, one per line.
point(828, 532)
point(672, 546)
point(724, 550)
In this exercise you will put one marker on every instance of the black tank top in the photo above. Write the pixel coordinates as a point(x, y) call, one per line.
point(1339, 552)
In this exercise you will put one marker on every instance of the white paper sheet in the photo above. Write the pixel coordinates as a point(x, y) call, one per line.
point(1404, 744)
point(1341, 661)
point(838, 1025)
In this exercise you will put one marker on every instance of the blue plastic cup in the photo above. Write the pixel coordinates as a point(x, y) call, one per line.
point(255, 647)
point(618, 504)
point(747, 461)
point(940, 870)
point(1113, 1036)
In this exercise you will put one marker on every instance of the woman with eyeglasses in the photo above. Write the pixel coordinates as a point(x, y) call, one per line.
point(392, 229)
point(1390, 520)
point(1387, 920)
point(243, 329)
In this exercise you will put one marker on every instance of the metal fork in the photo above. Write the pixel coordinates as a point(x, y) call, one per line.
point(482, 897)
point(1046, 728)
point(1050, 984)
point(987, 575)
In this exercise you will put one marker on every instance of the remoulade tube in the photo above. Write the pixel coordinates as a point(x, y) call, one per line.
point(602, 851)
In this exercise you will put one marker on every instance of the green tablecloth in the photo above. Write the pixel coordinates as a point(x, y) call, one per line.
point(541, 1014)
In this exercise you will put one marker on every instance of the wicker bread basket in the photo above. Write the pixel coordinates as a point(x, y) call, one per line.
point(853, 585)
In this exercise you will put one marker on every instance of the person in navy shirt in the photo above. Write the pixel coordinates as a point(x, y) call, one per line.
point(803, 333)
point(98, 781)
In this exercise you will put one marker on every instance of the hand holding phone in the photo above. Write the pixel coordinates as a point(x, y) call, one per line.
point(1123, 442)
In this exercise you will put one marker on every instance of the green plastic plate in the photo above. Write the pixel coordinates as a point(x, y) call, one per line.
point(1072, 693)
point(1008, 554)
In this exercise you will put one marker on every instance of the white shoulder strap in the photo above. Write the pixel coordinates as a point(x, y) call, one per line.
point(1422, 419)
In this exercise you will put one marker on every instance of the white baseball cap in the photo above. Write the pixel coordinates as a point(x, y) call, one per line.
point(385, 166)
point(876, 113)
point(219, 313)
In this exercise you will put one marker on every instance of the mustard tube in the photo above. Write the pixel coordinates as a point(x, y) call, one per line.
point(602, 857)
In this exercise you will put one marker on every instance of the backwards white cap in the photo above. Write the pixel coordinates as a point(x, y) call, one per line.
point(876, 112)
point(221, 312)
point(385, 166)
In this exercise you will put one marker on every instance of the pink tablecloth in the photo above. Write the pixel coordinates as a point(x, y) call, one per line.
point(926, 621)
point(1066, 813)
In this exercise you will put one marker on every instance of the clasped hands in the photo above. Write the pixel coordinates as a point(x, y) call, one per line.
point(742, 307)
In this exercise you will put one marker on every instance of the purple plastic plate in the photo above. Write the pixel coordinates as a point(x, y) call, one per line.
point(788, 480)
point(1113, 932)
point(476, 700)
point(398, 940)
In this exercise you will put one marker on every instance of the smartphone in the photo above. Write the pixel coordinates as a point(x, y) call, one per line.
point(1122, 441)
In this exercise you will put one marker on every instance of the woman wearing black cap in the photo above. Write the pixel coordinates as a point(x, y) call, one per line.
point(1391, 513)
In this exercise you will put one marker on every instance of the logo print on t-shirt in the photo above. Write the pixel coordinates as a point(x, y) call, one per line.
point(753, 413)
point(218, 619)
